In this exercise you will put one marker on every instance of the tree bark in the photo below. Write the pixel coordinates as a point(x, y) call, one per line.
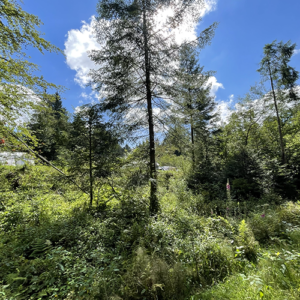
point(192, 138)
point(283, 158)
point(192, 127)
point(193, 142)
point(154, 205)
point(90, 164)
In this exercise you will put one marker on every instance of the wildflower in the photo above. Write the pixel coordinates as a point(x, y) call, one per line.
point(263, 215)
point(228, 186)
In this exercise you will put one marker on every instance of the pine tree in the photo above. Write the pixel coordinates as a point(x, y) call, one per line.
point(93, 147)
point(57, 106)
point(137, 61)
point(51, 127)
point(193, 99)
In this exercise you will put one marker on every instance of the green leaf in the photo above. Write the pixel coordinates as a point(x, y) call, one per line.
point(42, 293)
point(19, 278)
point(61, 267)
point(261, 294)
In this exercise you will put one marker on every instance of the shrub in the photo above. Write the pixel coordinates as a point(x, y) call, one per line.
point(290, 212)
point(150, 277)
point(266, 226)
point(248, 247)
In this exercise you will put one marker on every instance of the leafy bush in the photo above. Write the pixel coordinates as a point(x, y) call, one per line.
point(151, 278)
point(267, 226)
point(54, 246)
point(290, 212)
point(247, 246)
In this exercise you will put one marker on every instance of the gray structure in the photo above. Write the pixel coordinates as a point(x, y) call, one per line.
point(15, 158)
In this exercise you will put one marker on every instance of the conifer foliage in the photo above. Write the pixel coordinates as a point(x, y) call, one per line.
point(51, 127)
point(193, 99)
point(137, 62)
point(93, 147)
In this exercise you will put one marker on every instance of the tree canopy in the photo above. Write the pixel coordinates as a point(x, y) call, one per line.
point(20, 86)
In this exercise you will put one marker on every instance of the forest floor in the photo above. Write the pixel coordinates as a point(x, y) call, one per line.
point(53, 245)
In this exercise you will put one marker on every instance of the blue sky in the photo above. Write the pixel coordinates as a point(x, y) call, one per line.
point(244, 28)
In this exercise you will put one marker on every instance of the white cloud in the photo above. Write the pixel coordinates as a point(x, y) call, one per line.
point(186, 32)
point(80, 41)
point(215, 85)
point(296, 51)
point(224, 109)
point(84, 95)
point(77, 45)
point(262, 107)
point(91, 96)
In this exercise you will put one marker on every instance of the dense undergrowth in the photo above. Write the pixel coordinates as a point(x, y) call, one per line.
point(54, 246)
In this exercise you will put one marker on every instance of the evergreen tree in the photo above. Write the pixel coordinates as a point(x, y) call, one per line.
point(193, 98)
point(177, 136)
point(51, 127)
point(94, 149)
point(57, 106)
point(136, 63)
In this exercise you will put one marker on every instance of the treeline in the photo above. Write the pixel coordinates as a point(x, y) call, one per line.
point(148, 82)
point(60, 133)
point(82, 143)
point(257, 149)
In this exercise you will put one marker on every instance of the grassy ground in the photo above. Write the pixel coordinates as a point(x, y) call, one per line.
point(53, 246)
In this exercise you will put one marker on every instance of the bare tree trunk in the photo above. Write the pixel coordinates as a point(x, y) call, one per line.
point(192, 131)
point(193, 142)
point(90, 162)
point(154, 205)
point(283, 158)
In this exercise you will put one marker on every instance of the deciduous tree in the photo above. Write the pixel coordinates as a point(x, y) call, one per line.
point(275, 67)
point(20, 86)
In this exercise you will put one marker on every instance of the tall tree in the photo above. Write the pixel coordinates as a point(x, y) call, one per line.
point(275, 67)
point(20, 87)
point(193, 98)
point(137, 61)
